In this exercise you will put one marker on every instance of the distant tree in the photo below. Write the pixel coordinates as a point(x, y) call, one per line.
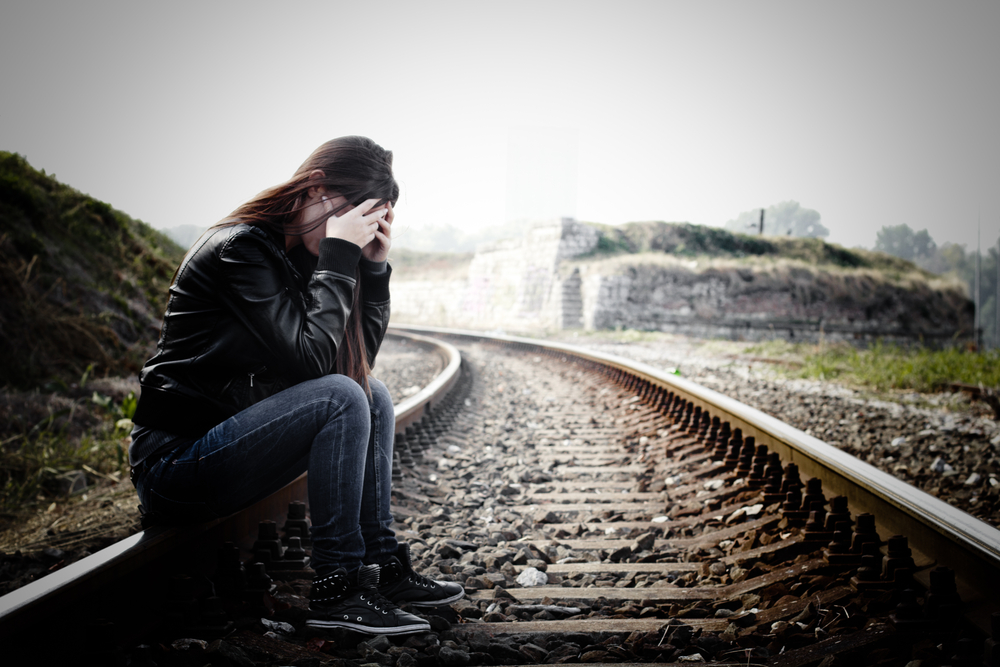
point(785, 219)
point(901, 241)
point(952, 259)
point(957, 261)
point(955, 258)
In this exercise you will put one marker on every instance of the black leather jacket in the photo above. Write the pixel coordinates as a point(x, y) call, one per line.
point(245, 320)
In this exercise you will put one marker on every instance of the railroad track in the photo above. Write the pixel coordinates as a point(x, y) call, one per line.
point(599, 510)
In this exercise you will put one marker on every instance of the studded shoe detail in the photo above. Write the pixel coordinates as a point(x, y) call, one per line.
point(353, 602)
point(399, 583)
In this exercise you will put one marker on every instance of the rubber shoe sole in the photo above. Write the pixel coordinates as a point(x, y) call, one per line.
point(370, 629)
point(436, 603)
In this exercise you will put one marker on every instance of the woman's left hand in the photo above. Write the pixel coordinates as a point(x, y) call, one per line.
point(378, 249)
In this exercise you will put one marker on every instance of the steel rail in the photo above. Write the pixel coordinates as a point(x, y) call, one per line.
point(413, 408)
point(24, 607)
point(937, 532)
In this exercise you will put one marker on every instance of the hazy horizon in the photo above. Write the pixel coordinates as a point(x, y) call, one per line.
point(871, 115)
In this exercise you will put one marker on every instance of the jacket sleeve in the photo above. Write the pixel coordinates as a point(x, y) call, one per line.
point(302, 337)
point(375, 308)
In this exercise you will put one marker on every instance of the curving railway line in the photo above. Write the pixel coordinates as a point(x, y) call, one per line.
point(596, 510)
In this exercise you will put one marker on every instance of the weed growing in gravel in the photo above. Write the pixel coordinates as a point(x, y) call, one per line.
point(884, 366)
point(927, 370)
point(37, 464)
point(825, 365)
point(773, 348)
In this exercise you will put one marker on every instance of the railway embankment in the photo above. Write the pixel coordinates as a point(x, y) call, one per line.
point(687, 279)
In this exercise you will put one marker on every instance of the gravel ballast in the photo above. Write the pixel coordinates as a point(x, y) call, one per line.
point(940, 443)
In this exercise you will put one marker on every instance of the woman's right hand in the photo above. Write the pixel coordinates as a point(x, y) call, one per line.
point(355, 224)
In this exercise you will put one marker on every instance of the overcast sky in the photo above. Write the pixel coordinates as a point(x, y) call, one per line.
point(871, 113)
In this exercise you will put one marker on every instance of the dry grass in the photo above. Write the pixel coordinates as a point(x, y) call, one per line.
point(81, 284)
point(775, 267)
point(687, 240)
point(45, 436)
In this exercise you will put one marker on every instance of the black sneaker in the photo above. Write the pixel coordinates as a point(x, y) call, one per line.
point(399, 583)
point(353, 602)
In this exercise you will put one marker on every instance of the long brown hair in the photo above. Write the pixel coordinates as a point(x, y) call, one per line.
point(354, 167)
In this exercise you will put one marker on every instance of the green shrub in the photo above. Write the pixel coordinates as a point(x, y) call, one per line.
point(31, 463)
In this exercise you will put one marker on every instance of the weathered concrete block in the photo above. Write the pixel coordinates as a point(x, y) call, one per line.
point(544, 281)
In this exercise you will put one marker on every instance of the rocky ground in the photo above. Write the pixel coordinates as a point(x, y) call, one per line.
point(480, 507)
point(405, 368)
point(941, 443)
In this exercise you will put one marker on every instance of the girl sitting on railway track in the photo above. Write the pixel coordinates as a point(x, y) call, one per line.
point(261, 372)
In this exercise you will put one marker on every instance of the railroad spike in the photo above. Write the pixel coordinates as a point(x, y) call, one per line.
point(744, 465)
point(721, 447)
point(258, 583)
point(792, 510)
point(692, 420)
point(942, 602)
point(397, 466)
point(815, 529)
point(732, 458)
point(814, 492)
point(267, 541)
point(868, 574)
point(864, 531)
point(296, 524)
point(293, 564)
point(838, 552)
point(791, 479)
point(838, 512)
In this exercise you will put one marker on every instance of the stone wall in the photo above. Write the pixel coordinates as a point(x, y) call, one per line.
point(764, 302)
point(429, 302)
point(550, 280)
point(512, 284)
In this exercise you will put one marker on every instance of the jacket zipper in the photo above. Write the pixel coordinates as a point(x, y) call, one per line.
point(251, 379)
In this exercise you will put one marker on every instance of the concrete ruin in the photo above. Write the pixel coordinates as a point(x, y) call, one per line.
point(557, 278)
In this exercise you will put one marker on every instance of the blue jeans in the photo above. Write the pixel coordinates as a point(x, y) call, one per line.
point(327, 426)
